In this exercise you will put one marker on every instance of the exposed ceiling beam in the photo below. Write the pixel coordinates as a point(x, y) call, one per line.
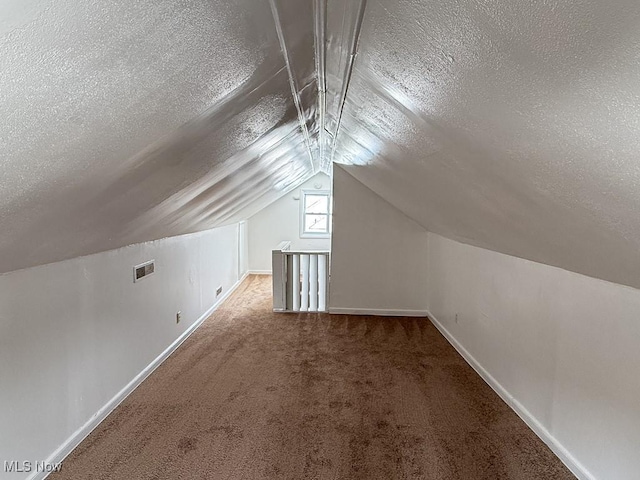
point(292, 82)
point(353, 50)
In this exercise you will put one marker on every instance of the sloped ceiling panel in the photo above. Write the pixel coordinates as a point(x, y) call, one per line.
point(342, 21)
point(512, 126)
point(295, 23)
point(131, 121)
point(508, 125)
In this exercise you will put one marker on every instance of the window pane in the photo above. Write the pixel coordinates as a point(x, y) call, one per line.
point(316, 223)
point(316, 204)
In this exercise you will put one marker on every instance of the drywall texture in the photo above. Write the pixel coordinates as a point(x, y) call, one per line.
point(507, 125)
point(280, 222)
point(564, 345)
point(378, 255)
point(131, 121)
point(74, 333)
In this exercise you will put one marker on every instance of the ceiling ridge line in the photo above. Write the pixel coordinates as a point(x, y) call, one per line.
point(292, 81)
point(319, 36)
point(355, 39)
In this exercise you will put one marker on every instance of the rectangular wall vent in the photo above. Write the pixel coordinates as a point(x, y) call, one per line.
point(143, 270)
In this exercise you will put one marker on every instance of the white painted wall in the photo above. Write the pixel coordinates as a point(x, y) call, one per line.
point(74, 333)
point(280, 222)
point(564, 346)
point(378, 255)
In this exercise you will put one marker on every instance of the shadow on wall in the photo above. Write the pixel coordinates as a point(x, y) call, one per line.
point(248, 140)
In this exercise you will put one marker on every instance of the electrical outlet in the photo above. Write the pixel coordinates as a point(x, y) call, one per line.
point(219, 290)
point(456, 318)
point(178, 317)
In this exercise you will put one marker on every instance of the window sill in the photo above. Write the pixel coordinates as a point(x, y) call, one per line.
point(315, 235)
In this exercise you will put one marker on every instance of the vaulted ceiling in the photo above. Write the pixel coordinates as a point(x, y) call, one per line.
point(513, 126)
point(127, 121)
point(508, 125)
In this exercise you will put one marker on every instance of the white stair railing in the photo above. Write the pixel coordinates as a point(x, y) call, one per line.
point(300, 279)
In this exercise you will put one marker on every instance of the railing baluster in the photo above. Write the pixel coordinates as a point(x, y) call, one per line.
point(289, 285)
point(291, 293)
point(304, 303)
point(295, 292)
point(279, 271)
point(313, 282)
point(322, 283)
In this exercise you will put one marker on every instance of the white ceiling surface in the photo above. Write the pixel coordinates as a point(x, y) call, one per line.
point(128, 121)
point(513, 126)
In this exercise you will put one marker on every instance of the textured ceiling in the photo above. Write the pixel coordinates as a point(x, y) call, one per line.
point(127, 121)
point(513, 126)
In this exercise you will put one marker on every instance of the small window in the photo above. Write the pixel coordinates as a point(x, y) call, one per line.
point(315, 213)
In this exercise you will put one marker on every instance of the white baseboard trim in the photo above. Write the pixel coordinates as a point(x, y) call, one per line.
point(558, 449)
point(259, 272)
point(379, 312)
point(79, 435)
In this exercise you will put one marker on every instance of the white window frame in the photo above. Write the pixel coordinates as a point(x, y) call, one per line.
point(303, 194)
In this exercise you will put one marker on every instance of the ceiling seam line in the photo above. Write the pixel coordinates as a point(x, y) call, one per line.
point(292, 82)
point(347, 78)
point(320, 14)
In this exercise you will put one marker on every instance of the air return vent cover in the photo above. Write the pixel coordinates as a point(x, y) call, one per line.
point(143, 270)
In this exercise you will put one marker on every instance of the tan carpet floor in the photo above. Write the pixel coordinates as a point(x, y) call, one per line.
point(258, 395)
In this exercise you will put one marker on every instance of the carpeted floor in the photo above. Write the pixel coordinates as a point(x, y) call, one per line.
point(258, 395)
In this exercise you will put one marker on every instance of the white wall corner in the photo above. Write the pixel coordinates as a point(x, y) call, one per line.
point(378, 254)
point(557, 346)
point(556, 447)
point(280, 221)
point(79, 435)
point(71, 305)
